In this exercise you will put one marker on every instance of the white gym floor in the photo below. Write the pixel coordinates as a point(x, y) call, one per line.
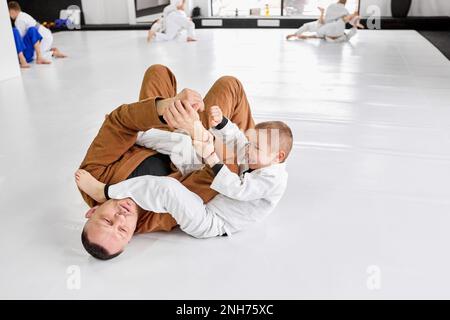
point(367, 210)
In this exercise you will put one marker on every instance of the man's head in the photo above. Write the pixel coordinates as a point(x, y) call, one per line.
point(14, 9)
point(269, 143)
point(344, 2)
point(109, 228)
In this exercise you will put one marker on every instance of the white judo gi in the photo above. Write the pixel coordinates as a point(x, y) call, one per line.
point(172, 24)
point(334, 26)
point(242, 200)
point(24, 21)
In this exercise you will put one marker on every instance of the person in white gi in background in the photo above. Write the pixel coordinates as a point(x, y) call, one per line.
point(23, 21)
point(331, 24)
point(173, 21)
point(243, 198)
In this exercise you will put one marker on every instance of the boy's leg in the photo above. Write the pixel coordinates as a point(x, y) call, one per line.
point(306, 27)
point(161, 194)
point(46, 42)
point(20, 47)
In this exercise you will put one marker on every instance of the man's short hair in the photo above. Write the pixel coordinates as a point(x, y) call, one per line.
point(96, 250)
point(285, 134)
point(14, 5)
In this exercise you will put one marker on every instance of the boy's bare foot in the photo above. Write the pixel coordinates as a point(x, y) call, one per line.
point(24, 65)
point(151, 35)
point(87, 183)
point(189, 39)
point(58, 54)
point(295, 36)
point(42, 61)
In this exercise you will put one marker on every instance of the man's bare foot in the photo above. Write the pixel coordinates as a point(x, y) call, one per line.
point(24, 65)
point(58, 54)
point(87, 183)
point(151, 35)
point(42, 61)
point(189, 39)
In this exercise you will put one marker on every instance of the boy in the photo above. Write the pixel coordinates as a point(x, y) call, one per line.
point(243, 198)
point(25, 24)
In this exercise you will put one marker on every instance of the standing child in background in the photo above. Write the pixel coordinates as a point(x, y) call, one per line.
point(33, 35)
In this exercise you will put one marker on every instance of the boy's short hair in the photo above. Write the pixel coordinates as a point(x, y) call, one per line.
point(14, 5)
point(284, 133)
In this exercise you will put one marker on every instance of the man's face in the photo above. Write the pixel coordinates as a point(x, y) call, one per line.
point(112, 224)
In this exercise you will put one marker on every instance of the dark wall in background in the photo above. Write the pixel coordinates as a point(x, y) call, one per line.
point(47, 10)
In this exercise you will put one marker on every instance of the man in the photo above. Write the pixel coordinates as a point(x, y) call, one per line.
point(114, 157)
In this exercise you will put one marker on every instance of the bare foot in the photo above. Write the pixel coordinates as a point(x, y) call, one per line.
point(151, 35)
point(289, 37)
point(42, 61)
point(57, 53)
point(87, 183)
point(189, 39)
point(24, 65)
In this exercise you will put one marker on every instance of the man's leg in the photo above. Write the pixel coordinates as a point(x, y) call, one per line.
point(161, 194)
point(158, 81)
point(110, 150)
point(227, 93)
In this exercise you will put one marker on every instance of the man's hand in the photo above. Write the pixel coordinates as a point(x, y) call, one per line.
point(181, 116)
point(193, 97)
point(215, 116)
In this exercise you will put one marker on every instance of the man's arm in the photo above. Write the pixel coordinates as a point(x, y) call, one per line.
point(177, 145)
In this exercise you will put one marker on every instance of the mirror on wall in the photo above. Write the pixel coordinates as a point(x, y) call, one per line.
point(149, 7)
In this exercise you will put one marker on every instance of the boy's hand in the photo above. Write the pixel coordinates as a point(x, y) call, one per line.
point(204, 148)
point(215, 116)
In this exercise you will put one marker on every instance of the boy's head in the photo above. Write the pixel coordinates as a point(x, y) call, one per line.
point(14, 9)
point(109, 228)
point(344, 2)
point(269, 143)
point(180, 4)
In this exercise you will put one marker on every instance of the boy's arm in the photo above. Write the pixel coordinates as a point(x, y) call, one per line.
point(322, 15)
point(228, 131)
point(249, 188)
point(177, 145)
point(233, 138)
point(228, 183)
point(118, 134)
